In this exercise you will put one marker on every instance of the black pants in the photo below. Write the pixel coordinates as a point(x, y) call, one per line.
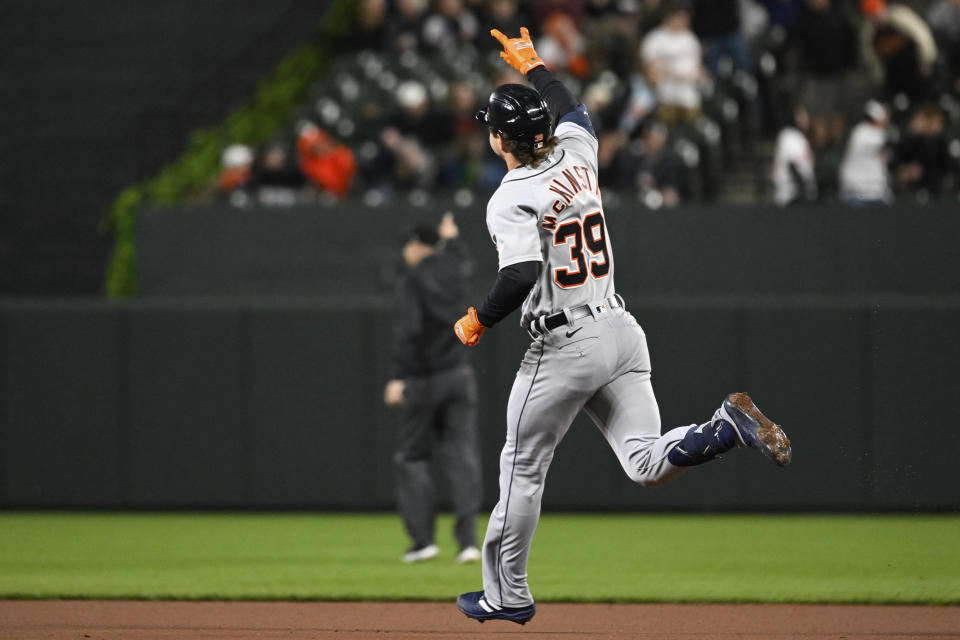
point(438, 413)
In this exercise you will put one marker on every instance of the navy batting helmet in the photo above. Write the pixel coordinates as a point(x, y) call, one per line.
point(518, 112)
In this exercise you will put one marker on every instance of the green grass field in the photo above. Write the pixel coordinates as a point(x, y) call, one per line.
point(612, 558)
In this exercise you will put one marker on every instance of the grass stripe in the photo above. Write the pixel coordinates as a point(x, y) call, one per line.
point(597, 557)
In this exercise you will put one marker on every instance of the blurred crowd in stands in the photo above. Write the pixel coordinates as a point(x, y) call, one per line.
point(740, 101)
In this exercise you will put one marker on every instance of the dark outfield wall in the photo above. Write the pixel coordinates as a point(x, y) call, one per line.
point(252, 404)
point(352, 249)
point(843, 328)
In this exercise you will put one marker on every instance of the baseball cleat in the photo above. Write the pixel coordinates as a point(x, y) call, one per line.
point(474, 605)
point(468, 555)
point(428, 552)
point(755, 430)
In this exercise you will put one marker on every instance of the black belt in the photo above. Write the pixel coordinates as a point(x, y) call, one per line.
point(543, 324)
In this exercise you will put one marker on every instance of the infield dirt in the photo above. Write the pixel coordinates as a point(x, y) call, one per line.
point(111, 620)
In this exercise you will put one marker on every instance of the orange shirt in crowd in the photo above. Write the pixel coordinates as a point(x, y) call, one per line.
point(327, 163)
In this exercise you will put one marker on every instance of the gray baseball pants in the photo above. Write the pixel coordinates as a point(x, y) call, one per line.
point(599, 364)
point(438, 417)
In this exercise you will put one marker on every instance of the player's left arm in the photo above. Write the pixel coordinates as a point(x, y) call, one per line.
point(508, 292)
point(514, 229)
point(510, 289)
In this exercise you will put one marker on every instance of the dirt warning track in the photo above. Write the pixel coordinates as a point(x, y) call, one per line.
point(112, 619)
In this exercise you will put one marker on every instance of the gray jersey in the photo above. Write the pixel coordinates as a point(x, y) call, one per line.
point(553, 214)
point(595, 362)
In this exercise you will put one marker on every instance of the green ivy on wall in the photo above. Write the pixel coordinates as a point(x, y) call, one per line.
point(199, 165)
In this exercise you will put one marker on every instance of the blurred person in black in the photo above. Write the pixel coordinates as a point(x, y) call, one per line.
point(405, 156)
point(404, 26)
point(620, 126)
point(418, 117)
point(612, 32)
point(922, 163)
point(823, 41)
point(660, 173)
point(781, 14)
point(899, 48)
point(434, 388)
point(944, 20)
point(450, 27)
point(717, 24)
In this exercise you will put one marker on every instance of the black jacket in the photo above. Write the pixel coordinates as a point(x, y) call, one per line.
point(429, 299)
point(826, 41)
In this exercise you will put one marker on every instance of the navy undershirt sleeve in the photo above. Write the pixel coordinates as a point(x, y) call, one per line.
point(562, 104)
point(579, 116)
point(558, 98)
point(508, 292)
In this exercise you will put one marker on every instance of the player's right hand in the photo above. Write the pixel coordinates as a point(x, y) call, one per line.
point(469, 329)
point(518, 52)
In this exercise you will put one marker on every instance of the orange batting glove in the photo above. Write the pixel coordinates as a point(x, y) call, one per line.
point(518, 52)
point(469, 329)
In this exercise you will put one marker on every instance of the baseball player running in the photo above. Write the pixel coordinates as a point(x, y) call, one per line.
point(588, 352)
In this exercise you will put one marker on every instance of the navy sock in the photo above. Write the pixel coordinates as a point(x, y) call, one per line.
point(703, 444)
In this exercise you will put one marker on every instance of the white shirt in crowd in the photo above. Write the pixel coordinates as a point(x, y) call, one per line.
point(792, 148)
point(677, 55)
point(863, 171)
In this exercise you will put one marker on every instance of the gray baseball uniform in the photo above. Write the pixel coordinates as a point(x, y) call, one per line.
point(596, 361)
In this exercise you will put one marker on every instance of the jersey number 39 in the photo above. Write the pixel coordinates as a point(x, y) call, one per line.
point(591, 234)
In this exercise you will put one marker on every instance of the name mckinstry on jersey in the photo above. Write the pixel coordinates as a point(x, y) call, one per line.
point(570, 238)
